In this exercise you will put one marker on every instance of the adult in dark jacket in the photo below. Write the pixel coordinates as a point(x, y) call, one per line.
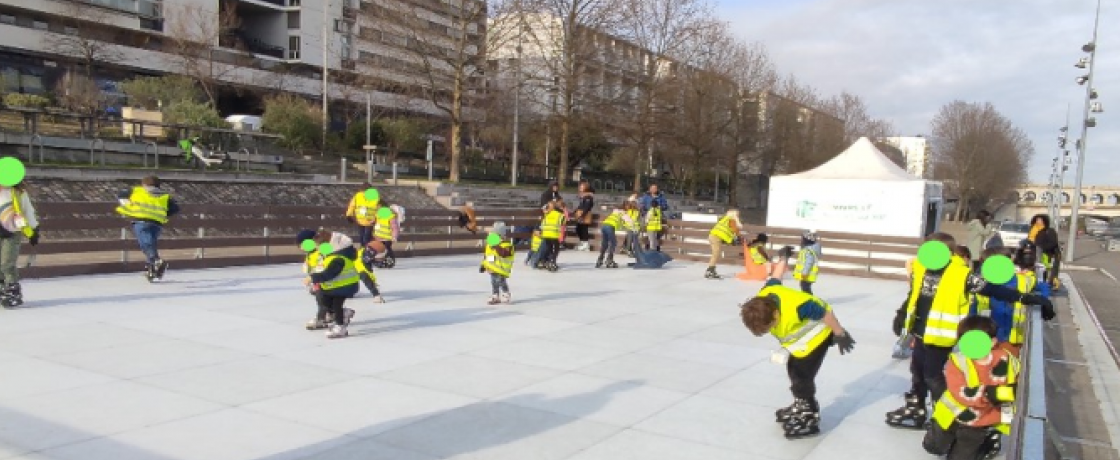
point(1045, 239)
point(583, 215)
point(550, 195)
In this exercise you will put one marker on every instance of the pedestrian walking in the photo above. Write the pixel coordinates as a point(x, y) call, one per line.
point(583, 215)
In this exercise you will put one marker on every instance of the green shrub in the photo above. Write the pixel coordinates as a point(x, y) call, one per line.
point(294, 118)
point(33, 101)
point(150, 92)
point(193, 114)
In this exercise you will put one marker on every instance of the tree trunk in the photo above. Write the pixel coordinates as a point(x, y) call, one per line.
point(456, 131)
point(565, 131)
point(639, 152)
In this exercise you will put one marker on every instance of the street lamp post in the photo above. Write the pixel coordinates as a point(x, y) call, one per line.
point(1083, 143)
point(517, 103)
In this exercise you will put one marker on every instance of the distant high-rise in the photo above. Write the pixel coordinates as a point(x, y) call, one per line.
point(916, 151)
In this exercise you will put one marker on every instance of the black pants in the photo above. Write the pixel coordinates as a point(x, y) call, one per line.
point(365, 235)
point(803, 371)
point(370, 284)
point(582, 230)
point(806, 287)
point(549, 250)
point(498, 283)
point(927, 370)
point(959, 442)
point(332, 305)
point(389, 249)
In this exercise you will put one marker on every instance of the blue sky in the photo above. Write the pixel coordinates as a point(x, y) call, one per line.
point(907, 58)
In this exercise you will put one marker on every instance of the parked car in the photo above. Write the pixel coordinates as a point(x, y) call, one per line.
point(1013, 233)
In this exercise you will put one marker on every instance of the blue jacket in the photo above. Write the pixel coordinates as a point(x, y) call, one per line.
point(1003, 313)
point(647, 201)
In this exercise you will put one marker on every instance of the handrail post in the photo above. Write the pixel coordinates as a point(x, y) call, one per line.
point(267, 256)
point(124, 252)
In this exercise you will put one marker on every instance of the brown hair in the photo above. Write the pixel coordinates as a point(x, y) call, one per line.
point(942, 237)
point(758, 314)
point(962, 252)
point(976, 323)
point(151, 181)
point(985, 254)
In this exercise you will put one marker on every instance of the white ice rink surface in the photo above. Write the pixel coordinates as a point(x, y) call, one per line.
point(585, 365)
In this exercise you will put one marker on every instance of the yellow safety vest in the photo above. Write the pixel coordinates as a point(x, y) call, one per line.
point(361, 266)
point(550, 225)
point(756, 256)
point(145, 206)
point(635, 221)
point(614, 220)
point(800, 267)
point(311, 263)
point(950, 303)
point(348, 276)
point(365, 211)
point(947, 409)
point(723, 230)
point(535, 243)
point(653, 220)
point(1025, 284)
point(16, 206)
point(496, 263)
point(384, 231)
point(799, 336)
point(983, 305)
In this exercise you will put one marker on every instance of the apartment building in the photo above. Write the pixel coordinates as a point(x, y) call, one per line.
point(916, 151)
point(255, 44)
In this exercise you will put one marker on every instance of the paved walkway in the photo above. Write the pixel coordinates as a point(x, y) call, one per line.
point(587, 364)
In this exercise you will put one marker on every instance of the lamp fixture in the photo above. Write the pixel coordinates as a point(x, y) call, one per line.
point(1082, 79)
point(1082, 63)
point(1096, 107)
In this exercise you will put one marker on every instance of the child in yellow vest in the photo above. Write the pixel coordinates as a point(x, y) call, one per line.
point(497, 260)
point(534, 255)
point(806, 327)
point(807, 262)
point(979, 398)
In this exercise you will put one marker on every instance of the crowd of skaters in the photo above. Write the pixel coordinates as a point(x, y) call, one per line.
point(961, 396)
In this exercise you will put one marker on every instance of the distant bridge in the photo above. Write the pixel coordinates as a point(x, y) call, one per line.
point(1099, 201)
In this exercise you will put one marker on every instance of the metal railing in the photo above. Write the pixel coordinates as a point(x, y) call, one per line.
point(1029, 430)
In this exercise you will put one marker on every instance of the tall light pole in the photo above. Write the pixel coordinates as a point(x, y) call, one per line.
point(517, 100)
point(326, 117)
point(1086, 123)
point(1058, 178)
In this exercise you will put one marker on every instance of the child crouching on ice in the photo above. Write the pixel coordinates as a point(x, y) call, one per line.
point(498, 262)
point(534, 255)
point(978, 402)
point(335, 282)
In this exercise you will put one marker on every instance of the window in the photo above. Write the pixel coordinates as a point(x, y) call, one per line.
point(39, 25)
point(293, 2)
point(293, 19)
point(7, 19)
point(70, 30)
point(293, 47)
point(343, 26)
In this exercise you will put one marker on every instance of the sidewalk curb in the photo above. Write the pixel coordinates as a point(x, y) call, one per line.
point(1103, 367)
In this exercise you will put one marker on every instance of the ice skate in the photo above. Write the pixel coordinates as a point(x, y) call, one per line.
point(599, 262)
point(378, 299)
point(506, 298)
point(315, 325)
point(991, 446)
point(911, 416)
point(493, 300)
point(711, 274)
point(552, 267)
point(347, 315)
point(611, 263)
point(783, 414)
point(803, 424)
point(161, 267)
point(150, 273)
point(11, 296)
point(337, 332)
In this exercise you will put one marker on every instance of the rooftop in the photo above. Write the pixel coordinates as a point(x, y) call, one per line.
point(586, 364)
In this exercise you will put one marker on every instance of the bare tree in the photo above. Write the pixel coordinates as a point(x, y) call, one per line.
point(705, 106)
point(447, 60)
point(570, 36)
point(661, 31)
point(978, 152)
point(82, 38)
point(853, 112)
point(194, 33)
point(753, 73)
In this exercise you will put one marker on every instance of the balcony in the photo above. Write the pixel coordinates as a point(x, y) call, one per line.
point(239, 39)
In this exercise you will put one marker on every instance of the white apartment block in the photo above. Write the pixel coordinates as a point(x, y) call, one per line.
point(916, 151)
point(609, 68)
point(269, 35)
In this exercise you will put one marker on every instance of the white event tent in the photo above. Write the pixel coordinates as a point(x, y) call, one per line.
point(859, 191)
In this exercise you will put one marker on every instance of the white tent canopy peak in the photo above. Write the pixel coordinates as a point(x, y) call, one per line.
point(862, 160)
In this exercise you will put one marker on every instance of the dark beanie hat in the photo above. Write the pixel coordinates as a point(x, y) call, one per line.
point(304, 235)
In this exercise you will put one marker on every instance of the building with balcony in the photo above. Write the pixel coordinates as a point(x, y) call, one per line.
point(261, 45)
